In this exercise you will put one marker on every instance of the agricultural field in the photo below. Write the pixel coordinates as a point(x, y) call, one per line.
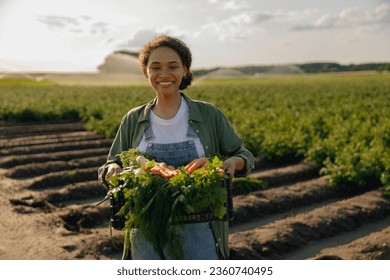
point(320, 142)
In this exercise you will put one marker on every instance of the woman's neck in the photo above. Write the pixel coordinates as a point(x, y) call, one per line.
point(166, 107)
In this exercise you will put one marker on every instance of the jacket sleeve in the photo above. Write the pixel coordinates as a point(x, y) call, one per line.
point(119, 144)
point(232, 145)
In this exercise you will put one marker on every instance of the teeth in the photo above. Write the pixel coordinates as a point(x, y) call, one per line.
point(165, 83)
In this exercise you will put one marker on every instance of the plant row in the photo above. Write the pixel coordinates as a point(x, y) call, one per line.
point(341, 122)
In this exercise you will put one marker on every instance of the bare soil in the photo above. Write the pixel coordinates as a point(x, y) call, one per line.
point(49, 191)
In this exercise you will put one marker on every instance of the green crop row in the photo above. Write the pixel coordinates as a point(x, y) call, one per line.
point(339, 121)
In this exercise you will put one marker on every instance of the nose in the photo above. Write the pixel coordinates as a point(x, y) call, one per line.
point(164, 72)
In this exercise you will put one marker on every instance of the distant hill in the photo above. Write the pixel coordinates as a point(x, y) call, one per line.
point(335, 67)
point(222, 73)
point(121, 62)
point(317, 67)
point(124, 61)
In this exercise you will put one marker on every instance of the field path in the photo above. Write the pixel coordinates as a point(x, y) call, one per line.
point(49, 191)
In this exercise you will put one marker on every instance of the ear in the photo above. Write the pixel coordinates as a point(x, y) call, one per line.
point(185, 71)
point(145, 72)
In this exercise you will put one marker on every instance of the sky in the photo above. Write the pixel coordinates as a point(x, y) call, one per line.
point(77, 35)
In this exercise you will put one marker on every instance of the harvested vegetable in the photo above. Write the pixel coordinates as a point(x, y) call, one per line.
point(157, 196)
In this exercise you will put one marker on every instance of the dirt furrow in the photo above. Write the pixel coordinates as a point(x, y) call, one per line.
point(79, 217)
point(48, 139)
point(62, 197)
point(83, 192)
point(275, 239)
point(361, 249)
point(282, 175)
point(313, 249)
point(12, 161)
point(59, 179)
point(50, 187)
point(46, 148)
point(10, 130)
point(282, 199)
point(274, 177)
point(37, 169)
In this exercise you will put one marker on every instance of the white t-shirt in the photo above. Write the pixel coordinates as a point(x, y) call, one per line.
point(172, 130)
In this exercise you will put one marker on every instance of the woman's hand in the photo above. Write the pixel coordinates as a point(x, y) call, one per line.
point(164, 170)
point(232, 164)
point(112, 170)
point(195, 164)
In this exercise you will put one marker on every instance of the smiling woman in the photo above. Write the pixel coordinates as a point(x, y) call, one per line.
point(178, 131)
point(173, 52)
point(165, 71)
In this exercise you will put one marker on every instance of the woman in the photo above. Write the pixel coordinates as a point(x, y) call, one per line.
point(178, 131)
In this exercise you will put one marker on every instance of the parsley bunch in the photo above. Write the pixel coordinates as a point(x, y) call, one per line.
point(154, 205)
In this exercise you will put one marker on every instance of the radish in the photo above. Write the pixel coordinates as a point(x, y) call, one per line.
point(139, 171)
point(142, 162)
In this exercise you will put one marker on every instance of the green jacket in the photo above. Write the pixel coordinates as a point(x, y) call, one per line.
point(214, 131)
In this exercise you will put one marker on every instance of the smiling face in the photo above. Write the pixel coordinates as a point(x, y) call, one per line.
point(165, 71)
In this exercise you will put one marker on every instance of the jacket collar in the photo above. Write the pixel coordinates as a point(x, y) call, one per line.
point(195, 114)
point(144, 116)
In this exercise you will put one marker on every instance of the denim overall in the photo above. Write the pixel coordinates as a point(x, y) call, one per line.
point(198, 238)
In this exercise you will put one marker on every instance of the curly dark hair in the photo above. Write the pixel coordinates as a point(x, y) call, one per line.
point(178, 46)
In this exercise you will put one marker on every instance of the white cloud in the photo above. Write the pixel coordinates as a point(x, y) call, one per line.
point(57, 21)
point(247, 23)
point(350, 17)
point(100, 27)
point(235, 5)
point(79, 34)
point(79, 24)
point(235, 27)
point(382, 13)
point(347, 17)
point(142, 36)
